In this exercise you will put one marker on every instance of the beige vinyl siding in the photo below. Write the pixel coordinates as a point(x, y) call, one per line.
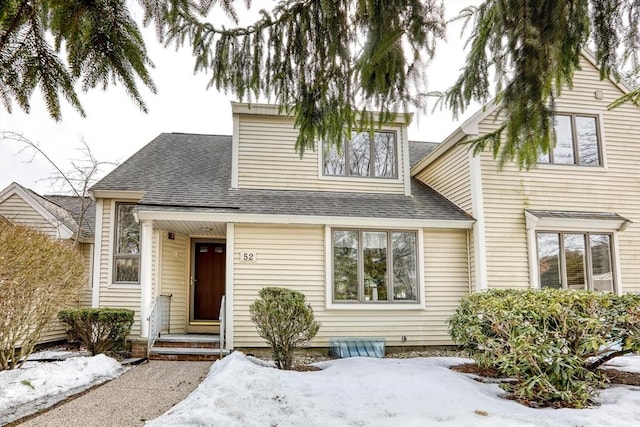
point(450, 176)
point(613, 188)
point(294, 257)
point(115, 295)
point(18, 211)
point(84, 299)
point(173, 273)
point(267, 160)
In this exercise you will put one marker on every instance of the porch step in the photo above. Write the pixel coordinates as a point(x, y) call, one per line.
point(183, 347)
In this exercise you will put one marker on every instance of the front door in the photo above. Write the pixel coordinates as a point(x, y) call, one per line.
point(207, 287)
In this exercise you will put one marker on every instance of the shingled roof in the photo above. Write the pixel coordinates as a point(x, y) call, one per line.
point(193, 172)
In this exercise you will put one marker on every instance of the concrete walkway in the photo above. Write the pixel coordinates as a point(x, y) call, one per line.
point(143, 393)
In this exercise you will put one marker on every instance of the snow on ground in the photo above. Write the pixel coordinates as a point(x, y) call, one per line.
point(627, 363)
point(376, 392)
point(38, 385)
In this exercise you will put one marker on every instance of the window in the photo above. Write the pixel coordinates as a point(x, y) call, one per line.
point(577, 141)
point(374, 266)
point(126, 253)
point(575, 261)
point(363, 156)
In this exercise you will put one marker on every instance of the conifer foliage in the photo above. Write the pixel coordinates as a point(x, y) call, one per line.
point(533, 48)
point(54, 44)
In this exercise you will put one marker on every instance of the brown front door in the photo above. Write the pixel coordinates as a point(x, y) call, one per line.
point(208, 284)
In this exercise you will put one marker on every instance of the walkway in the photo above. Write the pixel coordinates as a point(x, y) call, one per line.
point(143, 393)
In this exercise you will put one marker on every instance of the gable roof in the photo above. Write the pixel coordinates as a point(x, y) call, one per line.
point(178, 172)
point(62, 212)
point(470, 126)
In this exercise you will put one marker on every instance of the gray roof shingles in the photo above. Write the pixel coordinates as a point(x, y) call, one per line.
point(189, 171)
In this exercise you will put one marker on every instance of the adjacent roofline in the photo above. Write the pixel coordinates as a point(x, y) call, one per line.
point(116, 194)
point(14, 188)
point(274, 110)
point(575, 221)
point(150, 215)
point(470, 126)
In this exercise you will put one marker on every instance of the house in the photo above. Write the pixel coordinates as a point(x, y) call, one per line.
point(60, 217)
point(383, 238)
point(573, 222)
point(195, 217)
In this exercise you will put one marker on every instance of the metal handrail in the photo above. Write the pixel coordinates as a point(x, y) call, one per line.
point(159, 318)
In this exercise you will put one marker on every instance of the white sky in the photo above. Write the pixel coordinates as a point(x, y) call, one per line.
point(115, 128)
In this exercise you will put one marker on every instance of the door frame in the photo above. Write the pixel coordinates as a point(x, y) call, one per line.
point(197, 325)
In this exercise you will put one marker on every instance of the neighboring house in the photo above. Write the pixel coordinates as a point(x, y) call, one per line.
point(383, 238)
point(56, 216)
point(573, 222)
point(376, 252)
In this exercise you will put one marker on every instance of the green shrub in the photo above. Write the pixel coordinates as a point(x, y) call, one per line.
point(99, 329)
point(38, 277)
point(550, 341)
point(285, 321)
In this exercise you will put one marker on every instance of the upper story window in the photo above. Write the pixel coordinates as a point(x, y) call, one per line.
point(374, 266)
point(365, 155)
point(126, 253)
point(577, 141)
point(573, 260)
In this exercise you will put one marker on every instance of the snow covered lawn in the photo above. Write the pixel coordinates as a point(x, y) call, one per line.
point(243, 391)
point(38, 385)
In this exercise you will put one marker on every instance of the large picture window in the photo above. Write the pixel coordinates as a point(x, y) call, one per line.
point(365, 155)
point(577, 141)
point(575, 261)
point(126, 253)
point(374, 266)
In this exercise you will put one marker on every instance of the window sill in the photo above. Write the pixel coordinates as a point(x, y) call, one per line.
point(124, 286)
point(573, 168)
point(375, 306)
point(369, 179)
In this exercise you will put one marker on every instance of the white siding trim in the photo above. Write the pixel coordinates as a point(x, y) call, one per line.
point(146, 265)
point(235, 150)
point(97, 255)
point(303, 220)
point(406, 169)
point(112, 231)
point(617, 264)
point(231, 256)
point(479, 240)
point(532, 244)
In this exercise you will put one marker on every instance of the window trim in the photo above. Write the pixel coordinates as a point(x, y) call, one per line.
point(576, 159)
point(534, 223)
point(589, 285)
point(345, 149)
point(332, 304)
point(114, 242)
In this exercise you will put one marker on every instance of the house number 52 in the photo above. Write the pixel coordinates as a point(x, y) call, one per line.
point(247, 256)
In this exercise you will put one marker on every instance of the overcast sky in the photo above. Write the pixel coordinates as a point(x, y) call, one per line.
point(115, 128)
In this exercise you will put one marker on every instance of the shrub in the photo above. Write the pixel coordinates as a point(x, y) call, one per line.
point(38, 276)
point(551, 341)
point(285, 321)
point(99, 329)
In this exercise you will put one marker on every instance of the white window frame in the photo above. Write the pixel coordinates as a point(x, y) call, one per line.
point(381, 305)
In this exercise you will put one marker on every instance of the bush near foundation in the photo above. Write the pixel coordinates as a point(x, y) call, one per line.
point(38, 276)
point(285, 321)
point(99, 329)
point(551, 341)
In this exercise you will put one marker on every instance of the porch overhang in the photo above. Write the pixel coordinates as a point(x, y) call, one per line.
point(167, 218)
point(575, 221)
